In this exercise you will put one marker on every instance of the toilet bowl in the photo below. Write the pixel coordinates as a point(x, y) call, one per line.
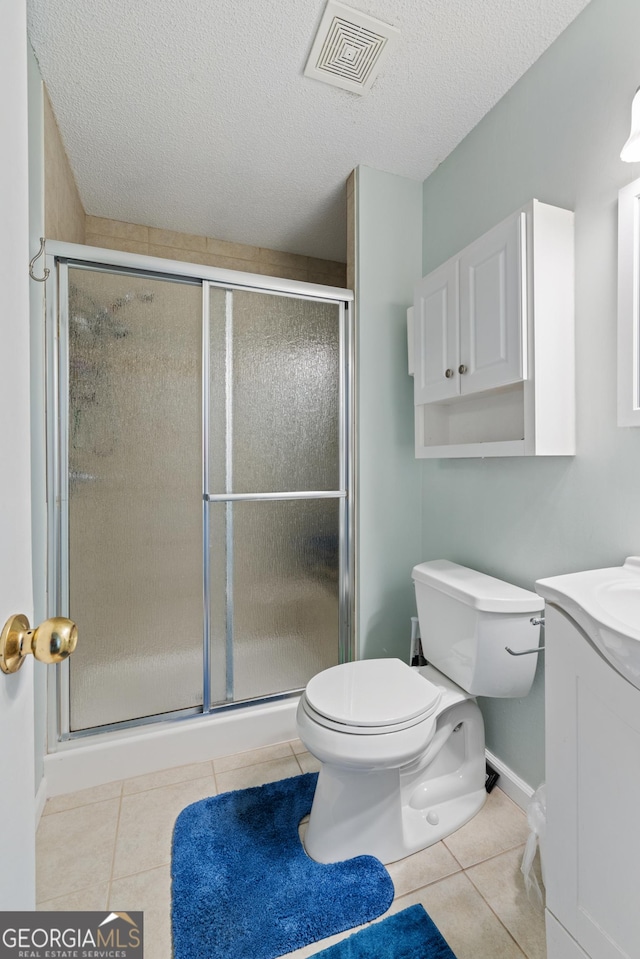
point(402, 748)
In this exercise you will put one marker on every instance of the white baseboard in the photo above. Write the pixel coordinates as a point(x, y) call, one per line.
point(41, 798)
point(510, 783)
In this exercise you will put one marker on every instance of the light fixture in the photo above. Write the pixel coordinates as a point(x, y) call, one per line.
point(631, 149)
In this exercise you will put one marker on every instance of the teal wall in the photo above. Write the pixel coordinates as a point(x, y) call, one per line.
point(388, 263)
point(556, 136)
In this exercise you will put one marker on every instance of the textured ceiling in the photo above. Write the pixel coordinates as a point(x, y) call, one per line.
point(194, 115)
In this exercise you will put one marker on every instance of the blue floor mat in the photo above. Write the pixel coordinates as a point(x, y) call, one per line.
point(409, 934)
point(243, 886)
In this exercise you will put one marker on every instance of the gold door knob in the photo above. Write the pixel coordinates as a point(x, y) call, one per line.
point(53, 641)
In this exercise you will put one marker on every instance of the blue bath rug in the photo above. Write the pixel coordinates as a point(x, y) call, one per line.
point(243, 886)
point(409, 934)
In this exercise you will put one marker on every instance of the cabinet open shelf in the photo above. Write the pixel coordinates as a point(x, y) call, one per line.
point(489, 424)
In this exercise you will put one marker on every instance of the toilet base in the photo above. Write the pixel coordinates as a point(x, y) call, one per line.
point(392, 813)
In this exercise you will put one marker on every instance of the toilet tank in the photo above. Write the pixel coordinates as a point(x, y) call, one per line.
point(467, 619)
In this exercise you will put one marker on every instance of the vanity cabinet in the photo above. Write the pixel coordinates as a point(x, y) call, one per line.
point(592, 849)
point(493, 343)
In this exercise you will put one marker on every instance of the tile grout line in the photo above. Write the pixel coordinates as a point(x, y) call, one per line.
point(177, 782)
point(295, 756)
point(215, 778)
point(165, 862)
point(142, 872)
point(93, 802)
point(490, 907)
point(493, 855)
point(427, 885)
point(461, 869)
point(452, 853)
point(139, 792)
point(260, 762)
point(484, 898)
point(180, 782)
point(115, 844)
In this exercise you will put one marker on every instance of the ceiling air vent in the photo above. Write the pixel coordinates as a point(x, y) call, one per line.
point(349, 48)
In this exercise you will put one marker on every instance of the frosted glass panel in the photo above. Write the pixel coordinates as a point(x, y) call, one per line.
point(280, 570)
point(220, 614)
point(275, 401)
point(135, 496)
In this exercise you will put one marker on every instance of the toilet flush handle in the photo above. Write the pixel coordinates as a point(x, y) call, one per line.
point(524, 652)
point(535, 621)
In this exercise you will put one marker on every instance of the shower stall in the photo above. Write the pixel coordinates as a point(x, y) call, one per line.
point(200, 487)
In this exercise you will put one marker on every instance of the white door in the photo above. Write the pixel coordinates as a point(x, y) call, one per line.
point(17, 840)
point(436, 336)
point(491, 309)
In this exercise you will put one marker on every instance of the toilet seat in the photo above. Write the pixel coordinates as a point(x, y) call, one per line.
point(373, 696)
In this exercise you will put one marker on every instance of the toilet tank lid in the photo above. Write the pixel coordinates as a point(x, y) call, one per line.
point(484, 593)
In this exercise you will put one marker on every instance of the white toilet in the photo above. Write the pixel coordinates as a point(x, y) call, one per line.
point(401, 747)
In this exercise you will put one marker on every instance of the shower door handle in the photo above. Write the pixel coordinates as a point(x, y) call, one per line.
point(52, 642)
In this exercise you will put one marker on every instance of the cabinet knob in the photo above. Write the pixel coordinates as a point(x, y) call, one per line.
point(462, 368)
point(448, 374)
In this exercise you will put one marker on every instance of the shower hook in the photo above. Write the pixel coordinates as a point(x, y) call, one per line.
point(46, 271)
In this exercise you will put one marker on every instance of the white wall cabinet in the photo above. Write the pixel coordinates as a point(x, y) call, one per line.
point(469, 331)
point(436, 352)
point(494, 343)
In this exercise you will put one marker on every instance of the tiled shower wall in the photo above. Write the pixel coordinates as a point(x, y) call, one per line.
point(116, 235)
point(65, 219)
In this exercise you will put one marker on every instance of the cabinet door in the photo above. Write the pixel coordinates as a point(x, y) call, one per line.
point(436, 336)
point(560, 945)
point(592, 843)
point(491, 308)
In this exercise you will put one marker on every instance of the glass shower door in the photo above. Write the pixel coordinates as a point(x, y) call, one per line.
point(199, 478)
point(132, 499)
point(276, 490)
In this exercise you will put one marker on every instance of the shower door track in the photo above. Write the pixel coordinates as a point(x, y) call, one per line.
point(59, 256)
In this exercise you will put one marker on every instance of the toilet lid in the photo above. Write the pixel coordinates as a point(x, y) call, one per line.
point(372, 692)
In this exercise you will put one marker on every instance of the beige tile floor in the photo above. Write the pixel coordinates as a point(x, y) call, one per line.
point(109, 847)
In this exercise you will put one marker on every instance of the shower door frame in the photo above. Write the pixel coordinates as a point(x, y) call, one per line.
point(59, 257)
